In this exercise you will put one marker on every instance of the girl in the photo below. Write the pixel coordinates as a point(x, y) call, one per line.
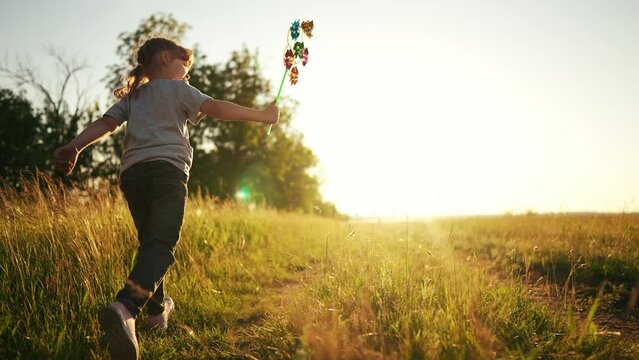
point(156, 102)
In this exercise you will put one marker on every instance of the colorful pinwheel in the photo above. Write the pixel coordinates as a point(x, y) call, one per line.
point(289, 58)
point(295, 54)
point(295, 29)
point(307, 27)
point(294, 75)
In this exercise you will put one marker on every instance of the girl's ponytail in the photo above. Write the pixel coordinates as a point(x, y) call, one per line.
point(133, 80)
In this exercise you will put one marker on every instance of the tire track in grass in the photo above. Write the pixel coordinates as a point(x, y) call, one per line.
point(265, 332)
point(547, 292)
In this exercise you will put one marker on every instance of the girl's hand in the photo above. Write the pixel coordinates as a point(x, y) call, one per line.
point(271, 113)
point(64, 159)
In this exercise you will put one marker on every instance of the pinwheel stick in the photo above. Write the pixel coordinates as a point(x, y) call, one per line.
point(277, 98)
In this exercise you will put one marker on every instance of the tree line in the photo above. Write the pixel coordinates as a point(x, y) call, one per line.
point(232, 160)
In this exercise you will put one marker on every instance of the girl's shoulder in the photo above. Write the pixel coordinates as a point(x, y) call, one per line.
point(165, 82)
point(177, 85)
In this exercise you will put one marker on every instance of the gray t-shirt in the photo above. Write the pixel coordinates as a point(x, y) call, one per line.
point(157, 114)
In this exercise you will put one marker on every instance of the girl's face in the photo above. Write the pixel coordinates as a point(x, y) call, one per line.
point(177, 69)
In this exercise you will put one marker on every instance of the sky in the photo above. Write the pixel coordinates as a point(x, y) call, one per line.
point(413, 108)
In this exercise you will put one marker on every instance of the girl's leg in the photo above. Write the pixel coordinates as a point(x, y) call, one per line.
point(139, 206)
point(165, 190)
point(133, 186)
point(155, 306)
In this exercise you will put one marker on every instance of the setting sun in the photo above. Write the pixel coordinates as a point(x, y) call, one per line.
point(428, 108)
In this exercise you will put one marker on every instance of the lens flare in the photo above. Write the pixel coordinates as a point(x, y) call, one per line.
point(243, 193)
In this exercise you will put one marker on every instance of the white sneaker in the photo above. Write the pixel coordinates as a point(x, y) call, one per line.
point(161, 321)
point(119, 325)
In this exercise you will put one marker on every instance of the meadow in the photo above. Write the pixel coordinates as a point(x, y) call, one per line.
point(253, 283)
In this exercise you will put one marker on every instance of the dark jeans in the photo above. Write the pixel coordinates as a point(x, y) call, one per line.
point(156, 194)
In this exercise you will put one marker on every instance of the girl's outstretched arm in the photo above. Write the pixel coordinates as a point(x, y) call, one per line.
point(225, 110)
point(65, 157)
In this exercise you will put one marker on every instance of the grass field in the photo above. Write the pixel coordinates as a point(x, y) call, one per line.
point(258, 283)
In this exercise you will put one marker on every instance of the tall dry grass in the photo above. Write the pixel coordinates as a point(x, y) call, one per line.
point(64, 253)
point(258, 283)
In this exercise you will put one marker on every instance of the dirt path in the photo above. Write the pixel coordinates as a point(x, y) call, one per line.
point(264, 330)
point(609, 322)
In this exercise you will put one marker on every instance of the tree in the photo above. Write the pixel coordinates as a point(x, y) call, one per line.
point(58, 121)
point(236, 159)
point(19, 138)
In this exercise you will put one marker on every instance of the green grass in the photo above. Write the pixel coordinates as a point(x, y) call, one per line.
point(259, 283)
point(570, 252)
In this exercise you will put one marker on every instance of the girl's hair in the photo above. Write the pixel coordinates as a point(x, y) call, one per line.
point(145, 58)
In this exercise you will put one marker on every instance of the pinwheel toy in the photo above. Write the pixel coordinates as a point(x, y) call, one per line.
point(295, 54)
